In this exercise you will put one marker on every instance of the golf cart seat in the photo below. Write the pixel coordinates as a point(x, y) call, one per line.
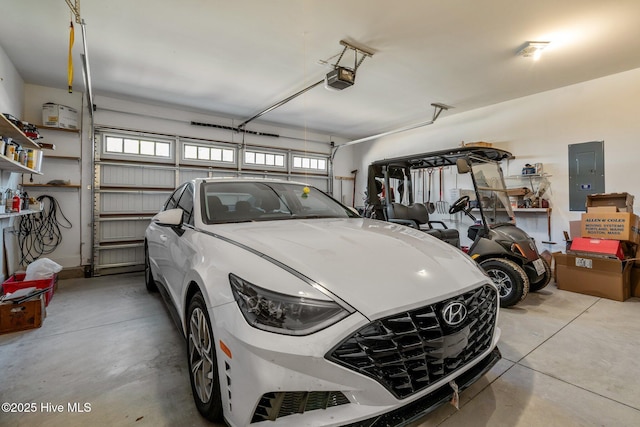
point(417, 215)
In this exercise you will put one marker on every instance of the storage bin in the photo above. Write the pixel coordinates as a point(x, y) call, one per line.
point(16, 282)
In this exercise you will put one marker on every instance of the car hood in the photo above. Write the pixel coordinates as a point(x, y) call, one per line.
point(376, 267)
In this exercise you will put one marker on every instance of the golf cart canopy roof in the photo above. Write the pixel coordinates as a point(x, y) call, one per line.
point(446, 157)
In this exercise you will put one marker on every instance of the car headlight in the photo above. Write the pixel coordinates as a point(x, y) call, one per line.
point(281, 313)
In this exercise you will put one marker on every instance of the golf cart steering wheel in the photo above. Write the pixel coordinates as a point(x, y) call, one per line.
point(459, 205)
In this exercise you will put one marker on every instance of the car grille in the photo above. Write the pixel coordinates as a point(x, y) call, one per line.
point(409, 351)
point(280, 404)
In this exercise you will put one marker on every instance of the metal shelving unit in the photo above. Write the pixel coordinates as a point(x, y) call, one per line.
point(8, 129)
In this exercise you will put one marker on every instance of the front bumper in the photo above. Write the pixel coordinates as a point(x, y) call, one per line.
point(417, 409)
point(265, 368)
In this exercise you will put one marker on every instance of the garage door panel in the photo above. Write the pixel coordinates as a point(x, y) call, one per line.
point(122, 229)
point(189, 174)
point(133, 176)
point(154, 177)
point(120, 257)
point(122, 202)
point(319, 183)
point(120, 175)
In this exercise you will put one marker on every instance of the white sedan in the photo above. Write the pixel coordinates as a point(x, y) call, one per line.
point(298, 312)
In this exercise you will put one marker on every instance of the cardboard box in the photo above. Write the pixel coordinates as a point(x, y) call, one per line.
point(623, 202)
point(59, 116)
point(602, 209)
point(611, 225)
point(19, 317)
point(575, 229)
point(519, 191)
point(635, 282)
point(604, 278)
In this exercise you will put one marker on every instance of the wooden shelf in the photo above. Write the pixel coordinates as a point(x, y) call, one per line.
point(51, 185)
point(12, 214)
point(9, 129)
point(58, 129)
point(528, 176)
point(532, 210)
point(49, 156)
point(7, 164)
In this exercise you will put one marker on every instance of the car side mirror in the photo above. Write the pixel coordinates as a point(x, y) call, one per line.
point(168, 218)
point(463, 166)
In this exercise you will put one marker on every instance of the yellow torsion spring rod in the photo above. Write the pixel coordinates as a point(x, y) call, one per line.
point(70, 64)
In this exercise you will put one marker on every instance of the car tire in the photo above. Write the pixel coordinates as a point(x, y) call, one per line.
point(202, 361)
point(546, 278)
point(509, 277)
point(149, 281)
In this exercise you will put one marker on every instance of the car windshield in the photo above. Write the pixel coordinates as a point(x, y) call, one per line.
point(237, 201)
point(493, 194)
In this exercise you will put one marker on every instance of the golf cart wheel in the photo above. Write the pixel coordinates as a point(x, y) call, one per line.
point(546, 278)
point(149, 281)
point(509, 277)
point(203, 367)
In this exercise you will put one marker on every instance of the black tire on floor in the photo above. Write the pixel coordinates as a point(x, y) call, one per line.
point(202, 361)
point(546, 278)
point(149, 281)
point(509, 277)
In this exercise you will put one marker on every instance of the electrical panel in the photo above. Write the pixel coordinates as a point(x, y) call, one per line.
point(586, 172)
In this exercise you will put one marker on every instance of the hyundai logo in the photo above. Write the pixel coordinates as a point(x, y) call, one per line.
point(454, 313)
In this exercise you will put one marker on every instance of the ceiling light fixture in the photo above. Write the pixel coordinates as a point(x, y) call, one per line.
point(533, 49)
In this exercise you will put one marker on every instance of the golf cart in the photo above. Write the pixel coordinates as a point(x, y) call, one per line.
point(506, 253)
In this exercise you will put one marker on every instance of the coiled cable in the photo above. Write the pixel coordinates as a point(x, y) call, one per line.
point(39, 234)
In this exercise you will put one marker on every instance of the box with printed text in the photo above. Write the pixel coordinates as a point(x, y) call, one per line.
point(59, 116)
point(611, 225)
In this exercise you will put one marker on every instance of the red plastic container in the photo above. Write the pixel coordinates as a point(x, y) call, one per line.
point(604, 248)
point(16, 282)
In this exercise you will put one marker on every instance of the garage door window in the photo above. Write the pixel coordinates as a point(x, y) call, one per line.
point(137, 147)
point(264, 158)
point(207, 153)
point(309, 163)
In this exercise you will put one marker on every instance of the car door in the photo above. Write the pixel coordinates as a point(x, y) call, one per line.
point(179, 247)
point(157, 239)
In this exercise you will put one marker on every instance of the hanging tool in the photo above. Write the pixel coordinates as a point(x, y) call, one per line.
point(355, 173)
point(430, 206)
point(441, 205)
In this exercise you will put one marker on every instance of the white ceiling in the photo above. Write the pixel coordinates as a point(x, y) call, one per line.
point(236, 58)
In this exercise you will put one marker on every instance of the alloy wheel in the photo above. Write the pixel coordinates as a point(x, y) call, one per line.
point(201, 355)
point(502, 281)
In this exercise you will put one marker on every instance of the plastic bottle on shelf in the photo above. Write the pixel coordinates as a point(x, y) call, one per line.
point(16, 202)
point(30, 159)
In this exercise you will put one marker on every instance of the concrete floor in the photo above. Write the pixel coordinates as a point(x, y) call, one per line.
point(569, 360)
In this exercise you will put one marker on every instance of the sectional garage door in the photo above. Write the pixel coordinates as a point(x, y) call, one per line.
point(134, 173)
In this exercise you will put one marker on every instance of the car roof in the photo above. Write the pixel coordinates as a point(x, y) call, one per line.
point(246, 179)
